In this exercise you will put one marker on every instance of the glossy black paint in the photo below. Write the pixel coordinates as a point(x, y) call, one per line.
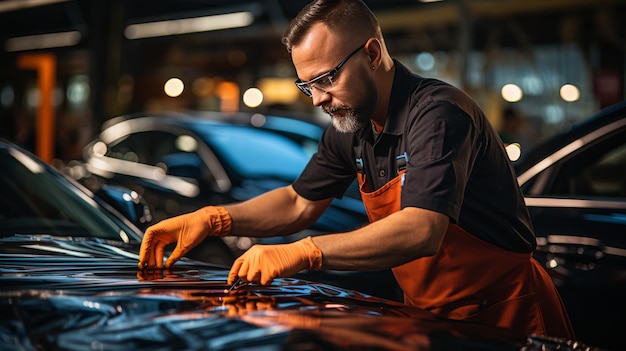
point(63, 293)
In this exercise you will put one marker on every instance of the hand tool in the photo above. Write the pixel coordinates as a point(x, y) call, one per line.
point(236, 285)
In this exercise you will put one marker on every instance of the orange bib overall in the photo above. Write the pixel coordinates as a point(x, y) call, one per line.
point(473, 280)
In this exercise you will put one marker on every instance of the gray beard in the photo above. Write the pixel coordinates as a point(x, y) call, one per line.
point(350, 123)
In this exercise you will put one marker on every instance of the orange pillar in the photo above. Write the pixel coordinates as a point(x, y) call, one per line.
point(45, 64)
point(228, 93)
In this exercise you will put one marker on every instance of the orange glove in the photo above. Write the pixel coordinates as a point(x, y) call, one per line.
point(262, 263)
point(186, 230)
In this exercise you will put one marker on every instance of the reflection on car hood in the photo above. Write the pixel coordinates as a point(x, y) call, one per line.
point(84, 294)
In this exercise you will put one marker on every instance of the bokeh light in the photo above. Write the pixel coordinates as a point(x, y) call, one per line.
point(186, 143)
point(425, 61)
point(569, 93)
point(174, 87)
point(253, 97)
point(511, 93)
point(514, 151)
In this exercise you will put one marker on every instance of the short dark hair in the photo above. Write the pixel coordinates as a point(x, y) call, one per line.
point(351, 16)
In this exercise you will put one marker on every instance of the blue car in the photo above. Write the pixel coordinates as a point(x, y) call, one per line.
point(179, 162)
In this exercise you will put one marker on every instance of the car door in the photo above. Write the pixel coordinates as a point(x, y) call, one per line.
point(577, 202)
point(582, 192)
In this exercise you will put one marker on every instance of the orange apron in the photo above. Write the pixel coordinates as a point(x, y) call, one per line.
point(473, 280)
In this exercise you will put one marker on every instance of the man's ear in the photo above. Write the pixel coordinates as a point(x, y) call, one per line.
point(374, 51)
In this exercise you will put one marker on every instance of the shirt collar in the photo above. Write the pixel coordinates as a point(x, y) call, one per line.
point(403, 86)
point(404, 83)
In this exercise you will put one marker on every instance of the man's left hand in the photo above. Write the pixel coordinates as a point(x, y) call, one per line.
point(262, 263)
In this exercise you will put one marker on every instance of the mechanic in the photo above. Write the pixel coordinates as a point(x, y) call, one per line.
point(446, 212)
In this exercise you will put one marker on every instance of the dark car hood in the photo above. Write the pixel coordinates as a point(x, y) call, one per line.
point(85, 294)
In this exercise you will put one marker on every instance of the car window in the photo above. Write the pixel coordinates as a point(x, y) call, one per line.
point(37, 201)
point(256, 153)
point(144, 147)
point(598, 169)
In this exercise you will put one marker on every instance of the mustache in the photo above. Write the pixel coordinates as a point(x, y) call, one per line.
point(329, 109)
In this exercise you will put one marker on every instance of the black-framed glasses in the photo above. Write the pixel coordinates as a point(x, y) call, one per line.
point(324, 81)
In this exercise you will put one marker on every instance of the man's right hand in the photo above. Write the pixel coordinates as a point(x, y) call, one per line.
point(187, 231)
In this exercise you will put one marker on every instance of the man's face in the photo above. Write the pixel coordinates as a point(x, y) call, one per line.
point(349, 117)
point(335, 71)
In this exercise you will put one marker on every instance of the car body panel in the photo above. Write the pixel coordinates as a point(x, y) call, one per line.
point(575, 190)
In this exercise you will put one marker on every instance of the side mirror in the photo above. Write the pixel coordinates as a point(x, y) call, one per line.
point(130, 204)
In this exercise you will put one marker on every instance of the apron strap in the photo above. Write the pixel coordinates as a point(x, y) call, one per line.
point(358, 154)
point(401, 162)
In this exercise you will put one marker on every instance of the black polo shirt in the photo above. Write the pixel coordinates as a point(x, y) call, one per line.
point(456, 165)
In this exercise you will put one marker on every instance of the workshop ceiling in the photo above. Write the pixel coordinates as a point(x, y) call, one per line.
point(407, 24)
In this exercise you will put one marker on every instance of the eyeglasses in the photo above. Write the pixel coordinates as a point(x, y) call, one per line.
point(324, 81)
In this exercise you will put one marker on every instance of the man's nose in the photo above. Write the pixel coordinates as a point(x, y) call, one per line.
point(319, 96)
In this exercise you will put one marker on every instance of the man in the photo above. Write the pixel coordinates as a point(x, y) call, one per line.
point(446, 212)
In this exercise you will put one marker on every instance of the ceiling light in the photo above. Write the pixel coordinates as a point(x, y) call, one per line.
point(42, 41)
point(188, 25)
point(12, 5)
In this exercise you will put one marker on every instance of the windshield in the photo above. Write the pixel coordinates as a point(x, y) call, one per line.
point(37, 200)
point(255, 153)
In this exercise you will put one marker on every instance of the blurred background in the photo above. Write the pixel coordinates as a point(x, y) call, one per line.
point(70, 68)
point(67, 66)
